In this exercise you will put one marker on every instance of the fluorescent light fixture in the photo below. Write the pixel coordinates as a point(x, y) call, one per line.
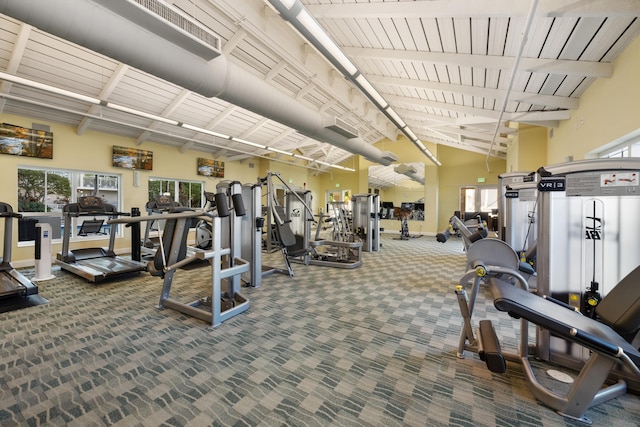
point(399, 122)
point(312, 26)
point(371, 91)
point(276, 150)
point(244, 141)
point(203, 130)
point(96, 101)
point(52, 89)
point(412, 136)
point(141, 113)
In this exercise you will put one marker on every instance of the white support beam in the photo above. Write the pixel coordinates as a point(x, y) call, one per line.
point(234, 41)
point(247, 133)
point(105, 93)
point(550, 101)
point(463, 146)
point(457, 133)
point(492, 62)
point(275, 70)
point(222, 116)
point(482, 113)
point(16, 55)
point(177, 101)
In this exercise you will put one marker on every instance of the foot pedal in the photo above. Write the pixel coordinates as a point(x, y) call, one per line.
point(489, 348)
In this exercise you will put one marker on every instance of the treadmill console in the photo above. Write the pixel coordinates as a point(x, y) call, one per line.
point(91, 204)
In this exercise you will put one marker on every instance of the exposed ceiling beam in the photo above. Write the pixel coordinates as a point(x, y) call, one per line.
point(105, 93)
point(465, 9)
point(550, 101)
point(257, 125)
point(491, 62)
point(461, 145)
point(489, 114)
point(16, 57)
point(177, 101)
point(16, 54)
point(464, 133)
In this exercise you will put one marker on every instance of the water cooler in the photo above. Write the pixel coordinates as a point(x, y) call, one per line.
point(43, 252)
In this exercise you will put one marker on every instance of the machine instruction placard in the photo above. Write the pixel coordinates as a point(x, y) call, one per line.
point(609, 183)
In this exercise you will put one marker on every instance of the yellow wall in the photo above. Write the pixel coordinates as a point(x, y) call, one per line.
point(609, 109)
point(407, 152)
point(528, 150)
point(462, 168)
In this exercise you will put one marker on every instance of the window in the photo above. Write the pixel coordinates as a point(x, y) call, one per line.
point(187, 193)
point(478, 199)
point(627, 146)
point(43, 193)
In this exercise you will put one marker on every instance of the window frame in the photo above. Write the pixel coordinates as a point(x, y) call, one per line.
point(78, 188)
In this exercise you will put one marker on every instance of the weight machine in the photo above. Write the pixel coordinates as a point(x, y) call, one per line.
point(366, 220)
point(280, 232)
point(225, 300)
point(587, 239)
point(518, 213)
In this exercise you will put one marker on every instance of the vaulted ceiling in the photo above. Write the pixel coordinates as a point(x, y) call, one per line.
point(457, 73)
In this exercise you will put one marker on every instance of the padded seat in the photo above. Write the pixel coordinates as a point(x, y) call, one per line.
point(620, 308)
point(559, 320)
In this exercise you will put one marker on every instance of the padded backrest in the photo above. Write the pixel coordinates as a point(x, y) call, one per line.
point(169, 238)
point(620, 308)
point(287, 237)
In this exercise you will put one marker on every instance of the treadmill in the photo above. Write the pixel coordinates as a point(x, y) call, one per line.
point(12, 283)
point(94, 264)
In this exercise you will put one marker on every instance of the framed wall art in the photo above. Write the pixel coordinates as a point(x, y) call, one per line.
point(212, 168)
point(21, 141)
point(131, 158)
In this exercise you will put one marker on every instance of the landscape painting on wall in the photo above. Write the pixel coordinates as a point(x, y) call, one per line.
point(131, 158)
point(21, 141)
point(212, 168)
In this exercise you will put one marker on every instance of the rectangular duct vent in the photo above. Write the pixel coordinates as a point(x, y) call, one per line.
point(388, 155)
point(182, 23)
point(340, 126)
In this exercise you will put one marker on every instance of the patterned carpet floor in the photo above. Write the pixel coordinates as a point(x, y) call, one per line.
point(371, 346)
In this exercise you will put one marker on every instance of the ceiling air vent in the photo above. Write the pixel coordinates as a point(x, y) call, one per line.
point(169, 24)
point(389, 156)
point(340, 126)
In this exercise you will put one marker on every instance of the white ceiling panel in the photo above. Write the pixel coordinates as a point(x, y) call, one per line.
point(404, 48)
